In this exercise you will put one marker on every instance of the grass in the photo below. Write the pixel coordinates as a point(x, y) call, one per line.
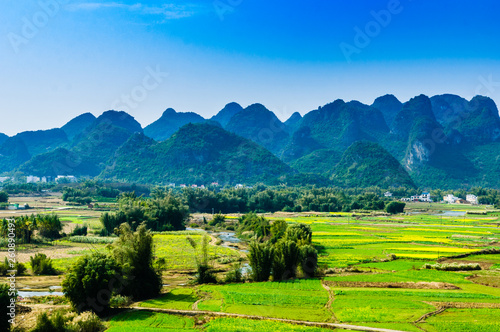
point(148, 321)
point(300, 299)
point(180, 298)
point(180, 255)
point(465, 320)
point(246, 325)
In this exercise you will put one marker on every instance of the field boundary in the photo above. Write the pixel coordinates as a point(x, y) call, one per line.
point(290, 321)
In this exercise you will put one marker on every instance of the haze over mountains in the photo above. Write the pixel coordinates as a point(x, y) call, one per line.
point(444, 141)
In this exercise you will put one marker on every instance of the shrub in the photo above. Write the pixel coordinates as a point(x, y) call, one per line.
point(91, 282)
point(453, 266)
point(395, 207)
point(80, 231)
point(42, 265)
point(44, 323)
point(234, 275)
point(119, 301)
point(87, 322)
point(205, 273)
point(217, 219)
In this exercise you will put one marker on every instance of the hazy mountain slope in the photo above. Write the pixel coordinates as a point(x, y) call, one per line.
point(42, 141)
point(366, 164)
point(3, 138)
point(13, 152)
point(389, 106)
point(336, 126)
point(169, 123)
point(260, 125)
point(225, 115)
point(197, 153)
point(77, 125)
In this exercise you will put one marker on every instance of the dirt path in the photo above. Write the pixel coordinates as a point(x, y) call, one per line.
point(290, 321)
point(429, 314)
point(331, 298)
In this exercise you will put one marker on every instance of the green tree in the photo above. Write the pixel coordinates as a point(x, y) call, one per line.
point(4, 310)
point(299, 233)
point(49, 226)
point(395, 207)
point(41, 265)
point(4, 197)
point(92, 281)
point(308, 260)
point(134, 252)
point(205, 270)
point(278, 230)
point(261, 260)
point(286, 259)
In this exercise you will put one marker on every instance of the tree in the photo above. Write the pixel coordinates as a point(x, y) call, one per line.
point(299, 233)
point(278, 229)
point(49, 226)
point(261, 260)
point(205, 271)
point(4, 197)
point(134, 252)
point(286, 259)
point(4, 309)
point(92, 281)
point(308, 260)
point(395, 207)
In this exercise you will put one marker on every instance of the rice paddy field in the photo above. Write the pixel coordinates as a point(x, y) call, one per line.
point(375, 276)
point(373, 269)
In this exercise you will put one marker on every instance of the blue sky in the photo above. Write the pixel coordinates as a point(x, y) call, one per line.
point(61, 58)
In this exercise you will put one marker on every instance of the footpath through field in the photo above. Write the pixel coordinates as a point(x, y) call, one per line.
point(296, 322)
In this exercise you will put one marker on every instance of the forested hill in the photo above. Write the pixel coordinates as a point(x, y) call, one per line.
point(443, 141)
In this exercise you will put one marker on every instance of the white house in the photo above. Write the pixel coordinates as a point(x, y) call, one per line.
point(425, 197)
point(388, 194)
point(32, 179)
point(450, 198)
point(239, 186)
point(472, 199)
point(4, 178)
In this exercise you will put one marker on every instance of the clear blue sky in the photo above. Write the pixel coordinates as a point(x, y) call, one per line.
point(58, 61)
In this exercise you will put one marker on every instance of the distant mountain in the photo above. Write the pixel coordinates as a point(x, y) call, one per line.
point(366, 164)
point(91, 149)
point(336, 126)
point(475, 122)
point(3, 138)
point(169, 123)
point(318, 162)
point(225, 115)
point(260, 125)
point(43, 141)
point(389, 106)
point(293, 122)
point(77, 125)
point(197, 153)
point(60, 162)
point(442, 142)
point(13, 152)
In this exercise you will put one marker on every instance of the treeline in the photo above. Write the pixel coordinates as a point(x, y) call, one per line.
point(262, 199)
point(48, 226)
point(161, 213)
point(89, 190)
